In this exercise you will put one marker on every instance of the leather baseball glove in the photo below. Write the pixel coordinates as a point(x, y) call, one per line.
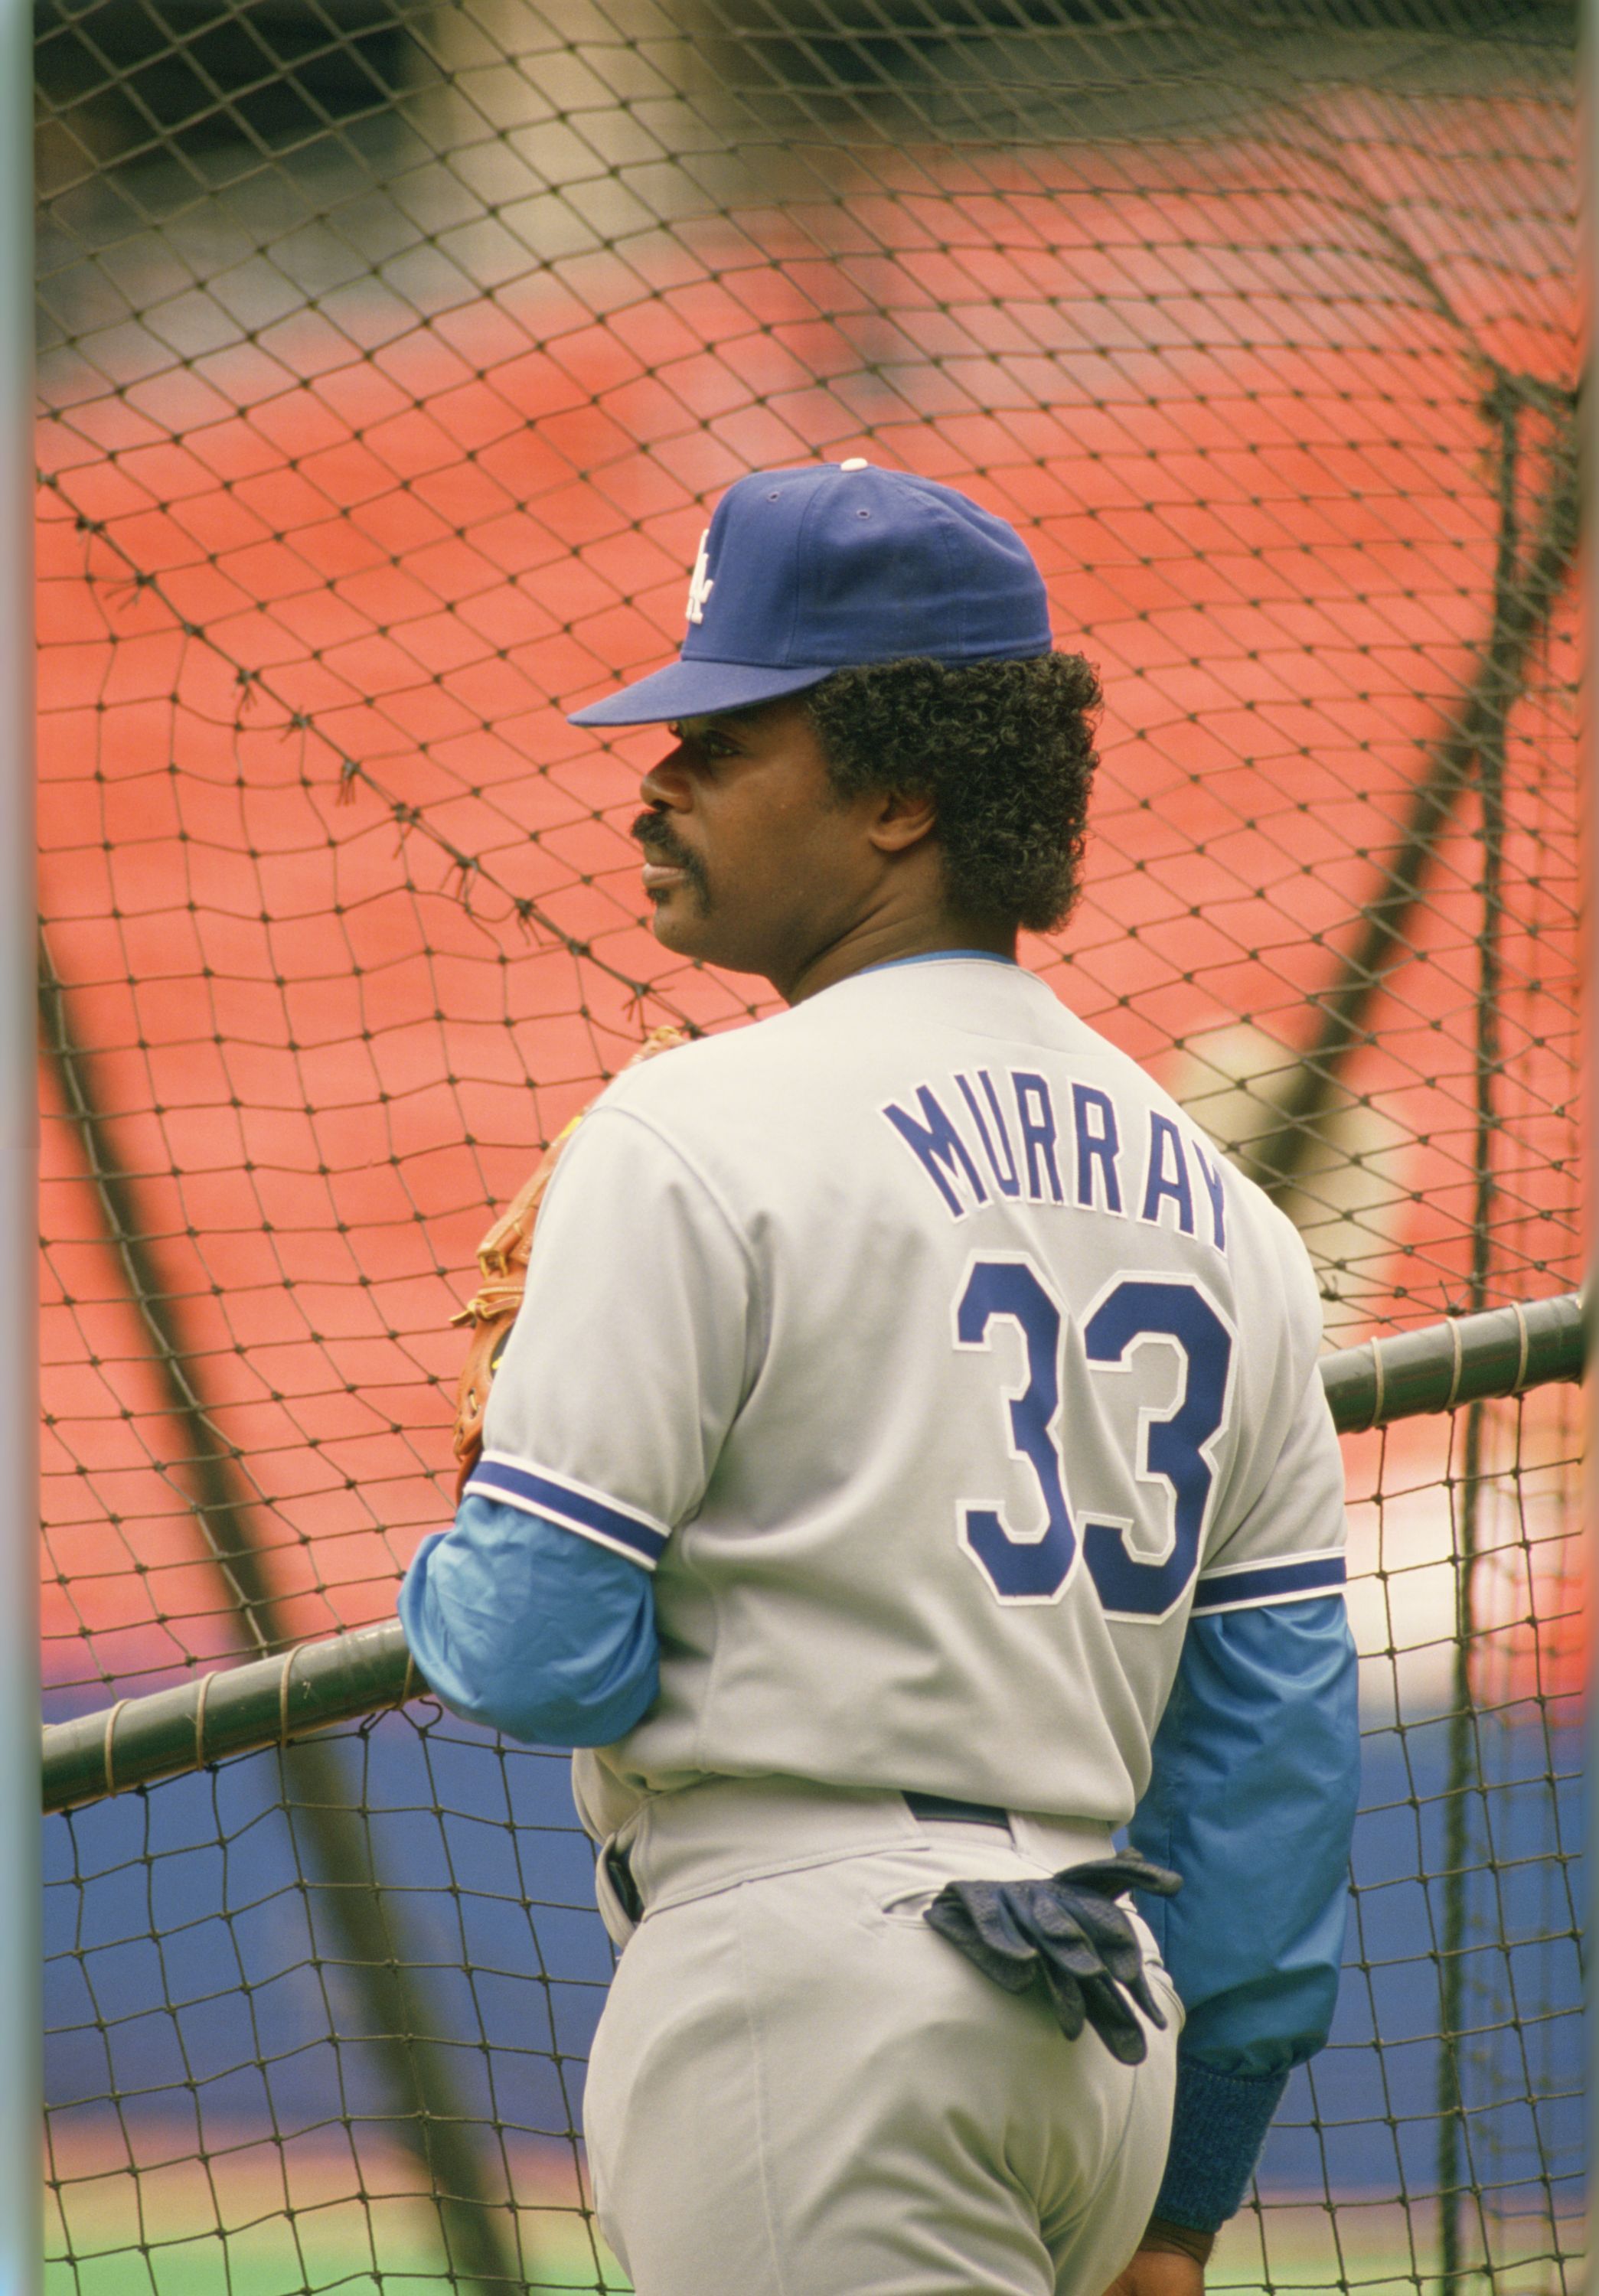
point(502, 1277)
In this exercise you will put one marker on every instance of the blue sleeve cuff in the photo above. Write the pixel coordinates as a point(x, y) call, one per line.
point(1218, 2124)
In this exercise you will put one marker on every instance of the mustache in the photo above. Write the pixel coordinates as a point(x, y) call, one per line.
point(659, 839)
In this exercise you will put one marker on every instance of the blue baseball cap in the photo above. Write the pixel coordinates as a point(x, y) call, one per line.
point(803, 573)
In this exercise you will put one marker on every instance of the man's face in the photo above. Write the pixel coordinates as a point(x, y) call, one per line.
point(751, 861)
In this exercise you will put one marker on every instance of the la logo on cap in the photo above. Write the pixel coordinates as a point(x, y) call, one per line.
point(700, 584)
point(834, 565)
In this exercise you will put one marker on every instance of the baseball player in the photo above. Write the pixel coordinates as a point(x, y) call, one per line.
point(907, 1469)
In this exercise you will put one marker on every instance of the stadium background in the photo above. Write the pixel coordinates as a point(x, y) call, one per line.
point(391, 357)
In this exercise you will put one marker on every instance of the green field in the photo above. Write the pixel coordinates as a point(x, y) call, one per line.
point(354, 2253)
point(253, 2218)
point(381, 2247)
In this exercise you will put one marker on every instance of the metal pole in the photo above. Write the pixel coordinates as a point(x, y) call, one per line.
point(21, 2241)
point(1588, 466)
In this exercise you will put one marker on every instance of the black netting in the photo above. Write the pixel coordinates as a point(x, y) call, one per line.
point(391, 356)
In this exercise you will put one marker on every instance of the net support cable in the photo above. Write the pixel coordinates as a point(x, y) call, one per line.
point(1527, 591)
point(1463, 1800)
point(366, 1922)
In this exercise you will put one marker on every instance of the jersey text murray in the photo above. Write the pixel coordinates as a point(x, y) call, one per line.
point(1013, 1144)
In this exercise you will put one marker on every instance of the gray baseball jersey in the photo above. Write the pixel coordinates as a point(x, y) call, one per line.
point(938, 1367)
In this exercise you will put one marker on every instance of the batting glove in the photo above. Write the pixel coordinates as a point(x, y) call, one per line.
point(1069, 1934)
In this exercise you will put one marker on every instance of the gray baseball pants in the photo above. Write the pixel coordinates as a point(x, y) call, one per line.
point(799, 2089)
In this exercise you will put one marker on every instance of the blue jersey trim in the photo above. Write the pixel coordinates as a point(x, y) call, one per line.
point(539, 1492)
point(1268, 1582)
point(941, 956)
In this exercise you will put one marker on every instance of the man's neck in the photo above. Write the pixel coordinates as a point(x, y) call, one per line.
point(891, 942)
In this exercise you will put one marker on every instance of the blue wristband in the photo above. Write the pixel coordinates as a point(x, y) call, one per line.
point(1218, 2124)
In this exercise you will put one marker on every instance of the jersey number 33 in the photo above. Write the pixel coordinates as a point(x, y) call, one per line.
point(1175, 1466)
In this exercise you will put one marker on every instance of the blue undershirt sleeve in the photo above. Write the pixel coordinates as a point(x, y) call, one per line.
point(517, 1622)
point(1252, 1798)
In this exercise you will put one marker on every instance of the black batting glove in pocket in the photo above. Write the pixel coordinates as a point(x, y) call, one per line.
point(1068, 1934)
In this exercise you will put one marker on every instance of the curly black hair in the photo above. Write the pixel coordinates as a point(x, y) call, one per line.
point(1005, 750)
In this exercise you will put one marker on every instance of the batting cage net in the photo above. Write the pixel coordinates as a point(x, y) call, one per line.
point(391, 359)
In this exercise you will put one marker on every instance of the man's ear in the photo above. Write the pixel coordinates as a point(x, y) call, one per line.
point(899, 819)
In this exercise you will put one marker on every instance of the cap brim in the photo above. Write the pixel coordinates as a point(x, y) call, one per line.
point(696, 689)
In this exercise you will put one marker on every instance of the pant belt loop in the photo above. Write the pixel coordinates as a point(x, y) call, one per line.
point(939, 1807)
